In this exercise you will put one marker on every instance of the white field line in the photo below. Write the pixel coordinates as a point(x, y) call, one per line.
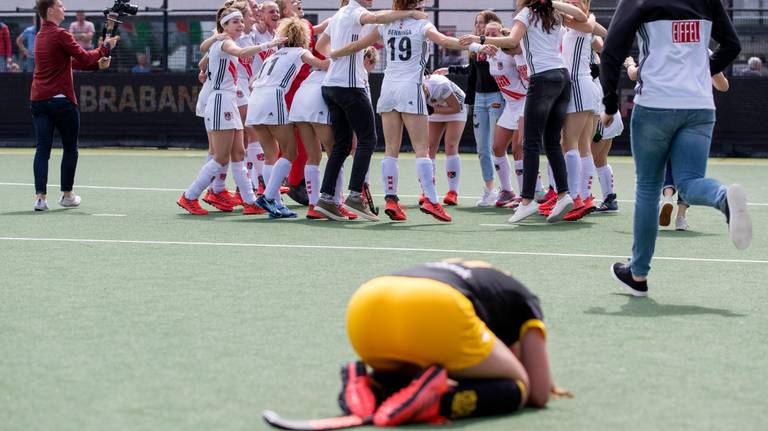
point(360, 248)
point(163, 189)
point(109, 215)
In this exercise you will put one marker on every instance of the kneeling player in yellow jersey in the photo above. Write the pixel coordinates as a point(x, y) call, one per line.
point(473, 337)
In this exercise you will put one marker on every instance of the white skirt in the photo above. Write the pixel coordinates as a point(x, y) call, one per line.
point(599, 107)
point(221, 112)
point(202, 98)
point(405, 97)
point(309, 105)
point(242, 92)
point(582, 95)
point(615, 129)
point(266, 106)
point(448, 118)
point(513, 110)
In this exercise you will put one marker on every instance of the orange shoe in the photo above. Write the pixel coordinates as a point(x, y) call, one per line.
point(451, 198)
point(418, 402)
point(348, 214)
point(393, 209)
point(578, 211)
point(435, 210)
point(312, 214)
point(249, 209)
point(546, 207)
point(284, 189)
point(220, 201)
point(550, 193)
point(422, 199)
point(237, 200)
point(191, 205)
point(356, 396)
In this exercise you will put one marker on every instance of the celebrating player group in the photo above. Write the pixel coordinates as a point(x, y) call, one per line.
point(264, 57)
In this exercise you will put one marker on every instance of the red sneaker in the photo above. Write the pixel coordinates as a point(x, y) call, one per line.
point(550, 194)
point(314, 215)
point(435, 210)
point(578, 211)
point(348, 214)
point(249, 209)
point(191, 205)
point(417, 403)
point(393, 209)
point(220, 201)
point(262, 186)
point(422, 199)
point(451, 198)
point(546, 207)
point(356, 397)
point(237, 200)
point(284, 189)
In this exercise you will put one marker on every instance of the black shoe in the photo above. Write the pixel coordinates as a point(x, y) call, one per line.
point(299, 193)
point(623, 274)
point(609, 205)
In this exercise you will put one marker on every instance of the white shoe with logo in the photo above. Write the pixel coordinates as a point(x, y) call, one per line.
point(72, 201)
point(488, 199)
point(41, 205)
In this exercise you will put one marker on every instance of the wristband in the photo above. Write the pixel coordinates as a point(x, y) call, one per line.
point(474, 47)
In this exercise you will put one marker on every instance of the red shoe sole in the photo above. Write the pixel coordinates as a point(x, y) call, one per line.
point(438, 216)
point(192, 211)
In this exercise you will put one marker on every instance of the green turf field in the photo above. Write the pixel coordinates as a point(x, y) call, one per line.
point(127, 314)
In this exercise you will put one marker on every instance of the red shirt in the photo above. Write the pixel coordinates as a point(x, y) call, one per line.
point(56, 54)
point(305, 68)
point(5, 41)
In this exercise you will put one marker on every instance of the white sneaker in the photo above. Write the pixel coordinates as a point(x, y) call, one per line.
point(488, 199)
point(561, 208)
point(665, 215)
point(524, 211)
point(681, 223)
point(41, 204)
point(739, 221)
point(70, 202)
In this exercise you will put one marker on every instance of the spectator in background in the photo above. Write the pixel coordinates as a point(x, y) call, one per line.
point(83, 31)
point(142, 66)
point(6, 52)
point(26, 44)
point(754, 67)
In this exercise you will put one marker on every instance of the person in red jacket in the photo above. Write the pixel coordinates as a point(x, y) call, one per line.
point(52, 99)
point(6, 53)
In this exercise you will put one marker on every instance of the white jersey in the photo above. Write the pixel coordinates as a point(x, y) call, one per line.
point(503, 68)
point(522, 70)
point(221, 69)
point(258, 38)
point(280, 69)
point(345, 27)
point(244, 65)
point(541, 49)
point(441, 88)
point(577, 53)
point(406, 48)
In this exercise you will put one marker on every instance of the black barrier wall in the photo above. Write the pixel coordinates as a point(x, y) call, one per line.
point(158, 110)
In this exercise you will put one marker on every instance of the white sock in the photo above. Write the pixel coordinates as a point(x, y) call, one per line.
point(368, 177)
point(240, 173)
point(503, 168)
point(539, 186)
point(519, 174)
point(551, 177)
point(279, 173)
point(434, 166)
point(220, 182)
point(573, 168)
point(453, 172)
point(312, 178)
point(255, 156)
point(339, 196)
point(207, 173)
point(390, 174)
point(605, 175)
point(267, 173)
point(209, 157)
point(424, 173)
point(587, 173)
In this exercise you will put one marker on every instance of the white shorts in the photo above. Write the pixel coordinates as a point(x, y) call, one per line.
point(242, 92)
point(405, 97)
point(221, 112)
point(202, 100)
point(513, 110)
point(582, 95)
point(615, 129)
point(599, 108)
point(309, 105)
point(448, 118)
point(267, 107)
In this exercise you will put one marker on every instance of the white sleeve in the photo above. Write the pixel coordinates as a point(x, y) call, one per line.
point(425, 28)
point(524, 16)
point(357, 14)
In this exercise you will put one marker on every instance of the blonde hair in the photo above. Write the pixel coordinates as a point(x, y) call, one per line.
point(223, 11)
point(281, 5)
point(294, 30)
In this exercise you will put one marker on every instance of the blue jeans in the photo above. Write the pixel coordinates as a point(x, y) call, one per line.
point(488, 109)
point(63, 115)
point(681, 137)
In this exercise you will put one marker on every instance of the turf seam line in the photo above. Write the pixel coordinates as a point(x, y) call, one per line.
point(363, 248)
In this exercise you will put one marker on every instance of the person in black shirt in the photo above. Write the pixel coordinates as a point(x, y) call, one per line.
point(463, 320)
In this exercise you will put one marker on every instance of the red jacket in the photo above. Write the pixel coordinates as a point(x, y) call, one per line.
point(56, 54)
point(5, 41)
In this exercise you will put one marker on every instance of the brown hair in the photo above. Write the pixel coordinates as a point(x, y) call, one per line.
point(549, 18)
point(224, 11)
point(502, 30)
point(405, 4)
point(488, 16)
point(295, 31)
point(42, 7)
point(281, 4)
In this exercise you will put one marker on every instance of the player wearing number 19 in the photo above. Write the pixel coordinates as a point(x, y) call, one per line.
point(402, 101)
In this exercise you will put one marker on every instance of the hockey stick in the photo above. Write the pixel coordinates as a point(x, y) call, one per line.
point(336, 423)
point(371, 206)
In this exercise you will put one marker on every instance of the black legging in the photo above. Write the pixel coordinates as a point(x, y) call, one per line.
point(351, 111)
point(63, 115)
point(548, 96)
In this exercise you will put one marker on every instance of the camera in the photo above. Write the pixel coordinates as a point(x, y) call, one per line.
point(122, 8)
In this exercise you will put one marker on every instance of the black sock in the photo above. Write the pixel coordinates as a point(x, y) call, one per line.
point(385, 385)
point(481, 397)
